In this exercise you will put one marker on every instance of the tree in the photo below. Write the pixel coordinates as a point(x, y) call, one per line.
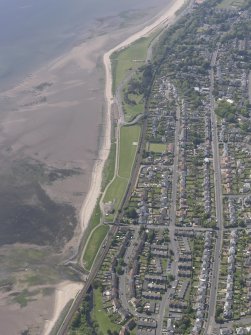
point(131, 213)
point(226, 110)
point(96, 283)
point(170, 277)
point(150, 236)
point(119, 270)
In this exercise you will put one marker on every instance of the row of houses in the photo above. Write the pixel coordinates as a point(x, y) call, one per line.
point(227, 309)
point(201, 299)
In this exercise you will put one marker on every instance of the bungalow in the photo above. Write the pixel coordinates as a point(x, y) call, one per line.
point(155, 278)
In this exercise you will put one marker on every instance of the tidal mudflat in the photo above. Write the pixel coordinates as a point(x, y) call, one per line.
point(51, 126)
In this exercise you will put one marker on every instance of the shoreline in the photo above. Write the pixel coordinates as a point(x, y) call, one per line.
point(94, 191)
point(65, 292)
point(96, 180)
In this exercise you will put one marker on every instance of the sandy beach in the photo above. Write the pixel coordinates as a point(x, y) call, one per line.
point(64, 293)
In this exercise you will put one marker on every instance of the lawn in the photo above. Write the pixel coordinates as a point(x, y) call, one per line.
point(129, 58)
point(129, 137)
point(109, 167)
point(157, 147)
point(96, 217)
point(99, 315)
point(93, 245)
point(116, 191)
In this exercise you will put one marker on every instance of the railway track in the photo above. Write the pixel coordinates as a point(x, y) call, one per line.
point(64, 327)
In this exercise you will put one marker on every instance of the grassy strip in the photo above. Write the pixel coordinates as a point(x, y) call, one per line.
point(94, 222)
point(109, 168)
point(129, 58)
point(129, 137)
point(93, 245)
point(99, 315)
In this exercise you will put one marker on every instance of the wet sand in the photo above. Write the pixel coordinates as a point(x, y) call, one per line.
point(53, 118)
point(31, 317)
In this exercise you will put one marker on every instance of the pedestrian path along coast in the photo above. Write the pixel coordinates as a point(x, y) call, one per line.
point(95, 187)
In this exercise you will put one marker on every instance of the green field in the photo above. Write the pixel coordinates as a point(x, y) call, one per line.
point(157, 147)
point(129, 58)
point(93, 245)
point(116, 191)
point(100, 316)
point(129, 137)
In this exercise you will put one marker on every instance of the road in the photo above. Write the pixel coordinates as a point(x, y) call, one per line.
point(173, 246)
point(123, 279)
point(219, 206)
point(177, 228)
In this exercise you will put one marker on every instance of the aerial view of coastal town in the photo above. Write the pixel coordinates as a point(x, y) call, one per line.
point(175, 207)
point(162, 241)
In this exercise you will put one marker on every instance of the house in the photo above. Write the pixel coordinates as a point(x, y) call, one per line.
point(147, 323)
point(226, 331)
point(151, 295)
point(155, 278)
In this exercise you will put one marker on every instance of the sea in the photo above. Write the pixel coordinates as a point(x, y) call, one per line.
point(34, 31)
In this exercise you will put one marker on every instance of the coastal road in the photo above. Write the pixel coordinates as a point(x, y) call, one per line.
point(219, 206)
